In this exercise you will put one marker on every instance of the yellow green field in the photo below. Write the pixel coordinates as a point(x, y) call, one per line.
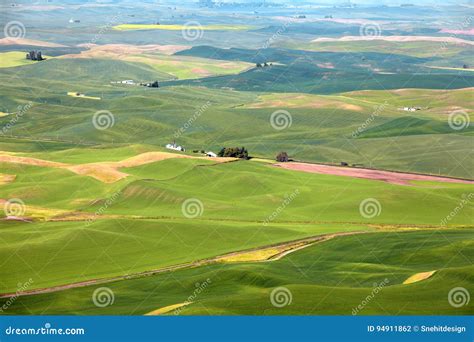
point(82, 96)
point(13, 59)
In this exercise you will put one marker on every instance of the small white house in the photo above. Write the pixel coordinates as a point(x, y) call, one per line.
point(211, 154)
point(129, 82)
point(411, 109)
point(175, 147)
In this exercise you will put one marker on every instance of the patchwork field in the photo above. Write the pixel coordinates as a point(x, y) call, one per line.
point(344, 187)
point(143, 213)
point(158, 57)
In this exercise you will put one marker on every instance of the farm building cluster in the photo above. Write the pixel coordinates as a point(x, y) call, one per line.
point(411, 109)
point(154, 84)
point(175, 147)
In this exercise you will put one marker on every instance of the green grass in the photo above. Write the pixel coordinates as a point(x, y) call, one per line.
point(333, 277)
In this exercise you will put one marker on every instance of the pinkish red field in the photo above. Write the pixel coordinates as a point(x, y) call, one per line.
point(385, 176)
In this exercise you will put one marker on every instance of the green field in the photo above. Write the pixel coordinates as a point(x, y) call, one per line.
point(331, 278)
point(144, 222)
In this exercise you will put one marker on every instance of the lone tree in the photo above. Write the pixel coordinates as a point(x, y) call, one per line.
point(282, 157)
point(235, 152)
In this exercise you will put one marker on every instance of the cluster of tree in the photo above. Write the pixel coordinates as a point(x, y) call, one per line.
point(235, 152)
point(260, 65)
point(151, 85)
point(154, 85)
point(35, 56)
point(282, 157)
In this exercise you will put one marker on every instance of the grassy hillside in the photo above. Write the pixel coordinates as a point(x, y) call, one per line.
point(366, 127)
point(333, 277)
point(135, 224)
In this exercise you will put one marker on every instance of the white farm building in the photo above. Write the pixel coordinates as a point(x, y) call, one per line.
point(175, 147)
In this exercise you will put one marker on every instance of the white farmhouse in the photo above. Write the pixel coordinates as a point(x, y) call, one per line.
point(175, 147)
point(211, 154)
point(411, 109)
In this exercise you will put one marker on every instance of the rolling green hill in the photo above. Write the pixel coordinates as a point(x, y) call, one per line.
point(135, 224)
point(334, 277)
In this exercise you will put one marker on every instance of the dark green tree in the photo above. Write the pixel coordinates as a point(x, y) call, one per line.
point(282, 157)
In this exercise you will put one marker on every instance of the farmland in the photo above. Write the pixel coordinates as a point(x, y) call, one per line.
point(375, 193)
point(158, 57)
